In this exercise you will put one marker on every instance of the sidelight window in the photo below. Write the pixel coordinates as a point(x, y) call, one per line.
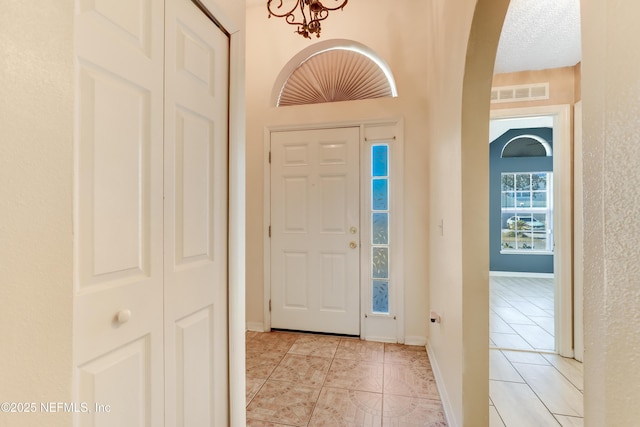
point(379, 212)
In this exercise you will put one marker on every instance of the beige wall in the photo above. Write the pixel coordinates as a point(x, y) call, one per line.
point(36, 117)
point(462, 56)
point(611, 145)
point(564, 86)
point(270, 45)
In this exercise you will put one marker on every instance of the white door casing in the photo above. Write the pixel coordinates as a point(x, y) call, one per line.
point(118, 278)
point(563, 221)
point(315, 230)
point(195, 218)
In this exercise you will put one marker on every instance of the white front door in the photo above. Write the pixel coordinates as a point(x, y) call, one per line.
point(118, 280)
point(195, 218)
point(315, 230)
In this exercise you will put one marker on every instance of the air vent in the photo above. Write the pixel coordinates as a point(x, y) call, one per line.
point(520, 93)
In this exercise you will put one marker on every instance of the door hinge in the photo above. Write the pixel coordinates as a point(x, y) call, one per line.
point(269, 306)
point(269, 231)
point(269, 156)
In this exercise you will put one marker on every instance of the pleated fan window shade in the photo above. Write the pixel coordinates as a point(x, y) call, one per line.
point(335, 75)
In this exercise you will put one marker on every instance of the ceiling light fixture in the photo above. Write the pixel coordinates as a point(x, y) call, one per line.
point(312, 13)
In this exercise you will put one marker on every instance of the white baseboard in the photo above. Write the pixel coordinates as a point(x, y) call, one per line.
point(442, 390)
point(421, 341)
point(255, 326)
point(520, 274)
point(380, 339)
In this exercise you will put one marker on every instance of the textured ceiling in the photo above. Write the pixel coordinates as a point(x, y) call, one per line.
point(539, 34)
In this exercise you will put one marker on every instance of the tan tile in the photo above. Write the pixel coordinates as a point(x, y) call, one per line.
point(366, 351)
point(339, 407)
point(557, 393)
point(249, 335)
point(260, 364)
point(272, 341)
point(399, 411)
point(260, 423)
point(355, 375)
point(284, 403)
point(410, 380)
point(253, 385)
point(303, 370)
point(315, 345)
point(518, 405)
point(405, 354)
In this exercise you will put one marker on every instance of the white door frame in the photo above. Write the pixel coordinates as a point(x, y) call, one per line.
point(562, 215)
point(397, 124)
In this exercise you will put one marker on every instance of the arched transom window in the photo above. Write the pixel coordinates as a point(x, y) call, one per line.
point(335, 70)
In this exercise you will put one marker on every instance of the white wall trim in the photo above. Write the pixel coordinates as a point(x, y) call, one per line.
point(237, 220)
point(578, 236)
point(255, 327)
point(265, 229)
point(520, 274)
point(415, 340)
point(449, 412)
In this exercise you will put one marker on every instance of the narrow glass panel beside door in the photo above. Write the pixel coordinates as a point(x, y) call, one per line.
point(380, 228)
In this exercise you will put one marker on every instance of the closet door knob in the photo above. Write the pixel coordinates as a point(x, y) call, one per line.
point(123, 316)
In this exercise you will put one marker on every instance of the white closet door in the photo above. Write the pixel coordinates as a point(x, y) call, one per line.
point(118, 280)
point(196, 142)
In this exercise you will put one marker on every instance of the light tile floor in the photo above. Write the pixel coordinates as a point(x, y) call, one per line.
point(318, 380)
point(521, 315)
point(534, 389)
point(528, 384)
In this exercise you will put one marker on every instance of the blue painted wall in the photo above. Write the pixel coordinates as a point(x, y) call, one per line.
point(514, 262)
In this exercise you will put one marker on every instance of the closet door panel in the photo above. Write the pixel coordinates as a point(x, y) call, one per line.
point(118, 190)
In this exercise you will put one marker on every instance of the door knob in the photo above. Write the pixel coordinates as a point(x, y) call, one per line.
point(353, 230)
point(353, 245)
point(123, 316)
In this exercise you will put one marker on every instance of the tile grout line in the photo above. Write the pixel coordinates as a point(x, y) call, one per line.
point(567, 378)
point(534, 392)
point(315, 404)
